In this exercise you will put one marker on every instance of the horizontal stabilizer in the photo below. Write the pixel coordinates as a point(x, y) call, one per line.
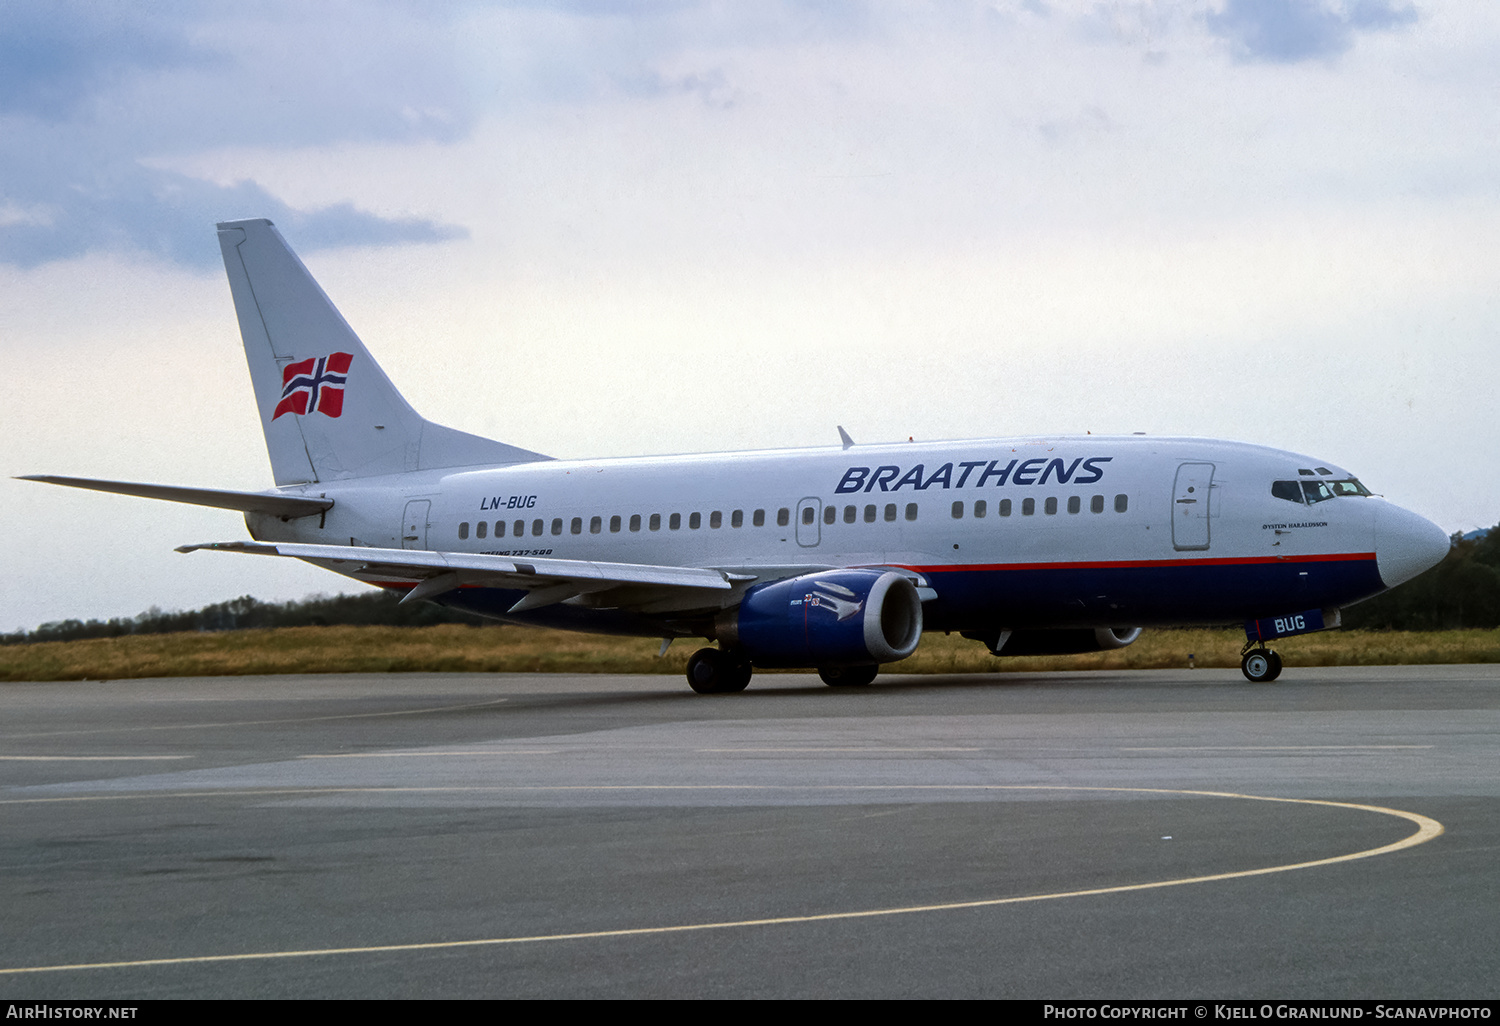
point(549, 580)
point(245, 502)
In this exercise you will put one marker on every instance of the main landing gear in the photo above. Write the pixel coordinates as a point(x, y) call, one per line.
point(712, 671)
point(1259, 664)
point(848, 676)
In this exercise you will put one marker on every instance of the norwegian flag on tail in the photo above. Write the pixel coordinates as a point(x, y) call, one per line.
point(314, 384)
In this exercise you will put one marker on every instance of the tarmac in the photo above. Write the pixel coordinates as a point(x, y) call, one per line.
point(1140, 834)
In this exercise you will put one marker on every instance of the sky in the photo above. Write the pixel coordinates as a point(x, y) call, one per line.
point(595, 229)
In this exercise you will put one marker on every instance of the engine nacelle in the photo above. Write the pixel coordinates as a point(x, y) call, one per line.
point(831, 618)
point(1062, 641)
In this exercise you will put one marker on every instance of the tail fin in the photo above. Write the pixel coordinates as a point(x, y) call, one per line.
point(328, 410)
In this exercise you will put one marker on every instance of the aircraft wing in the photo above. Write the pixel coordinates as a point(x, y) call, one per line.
point(546, 581)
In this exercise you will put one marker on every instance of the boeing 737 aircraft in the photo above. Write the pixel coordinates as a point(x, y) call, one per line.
point(836, 558)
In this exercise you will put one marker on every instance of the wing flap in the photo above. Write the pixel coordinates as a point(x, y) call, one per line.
point(560, 577)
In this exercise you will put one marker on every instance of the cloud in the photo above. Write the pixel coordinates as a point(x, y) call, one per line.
point(103, 108)
point(169, 216)
point(124, 127)
point(1288, 31)
point(53, 57)
point(94, 98)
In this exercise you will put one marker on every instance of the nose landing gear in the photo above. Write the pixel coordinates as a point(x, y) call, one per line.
point(1259, 664)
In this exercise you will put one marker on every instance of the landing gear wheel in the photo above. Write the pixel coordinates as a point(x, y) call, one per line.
point(739, 674)
point(711, 671)
point(847, 676)
point(1261, 665)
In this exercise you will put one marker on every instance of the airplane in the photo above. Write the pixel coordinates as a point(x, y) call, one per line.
point(836, 558)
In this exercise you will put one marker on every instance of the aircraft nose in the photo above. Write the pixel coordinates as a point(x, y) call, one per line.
point(1406, 544)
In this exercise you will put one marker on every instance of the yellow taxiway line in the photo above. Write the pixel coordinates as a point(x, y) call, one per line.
point(1427, 829)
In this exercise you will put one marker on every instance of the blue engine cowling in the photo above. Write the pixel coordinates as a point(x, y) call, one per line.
point(831, 618)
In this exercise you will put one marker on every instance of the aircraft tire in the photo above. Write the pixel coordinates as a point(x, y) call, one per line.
point(711, 671)
point(848, 676)
point(740, 674)
point(1260, 666)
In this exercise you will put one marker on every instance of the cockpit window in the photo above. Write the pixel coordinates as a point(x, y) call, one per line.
point(1291, 491)
point(1316, 491)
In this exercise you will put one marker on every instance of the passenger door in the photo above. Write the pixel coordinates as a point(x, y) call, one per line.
point(414, 524)
point(1191, 497)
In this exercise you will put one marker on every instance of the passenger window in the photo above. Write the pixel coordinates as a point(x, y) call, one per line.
point(737, 518)
point(911, 511)
point(759, 518)
point(538, 528)
point(1028, 507)
point(655, 523)
point(557, 525)
point(576, 526)
point(1074, 504)
point(784, 517)
point(695, 520)
point(463, 530)
point(674, 522)
point(979, 508)
point(614, 524)
point(596, 525)
point(481, 529)
point(635, 521)
point(851, 514)
point(870, 513)
point(1121, 502)
point(830, 514)
point(1096, 504)
point(808, 515)
point(890, 512)
point(1291, 491)
point(520, 528)
point(1004, 509)
point(1051, 505)
point(716, 520)
point(499, 528)
point(958, 510)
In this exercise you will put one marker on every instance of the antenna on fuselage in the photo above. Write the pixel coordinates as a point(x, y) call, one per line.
point(844, 437)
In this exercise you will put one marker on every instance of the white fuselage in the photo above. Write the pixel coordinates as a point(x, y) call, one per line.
point(1074, 531)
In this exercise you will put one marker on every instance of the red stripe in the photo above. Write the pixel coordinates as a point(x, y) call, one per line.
point(1124, 564)
point(1119, 564)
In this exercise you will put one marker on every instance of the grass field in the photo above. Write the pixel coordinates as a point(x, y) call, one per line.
point(459, 649)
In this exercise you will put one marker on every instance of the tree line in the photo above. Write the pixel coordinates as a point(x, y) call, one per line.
point(1461, 591)
point(380, 608)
